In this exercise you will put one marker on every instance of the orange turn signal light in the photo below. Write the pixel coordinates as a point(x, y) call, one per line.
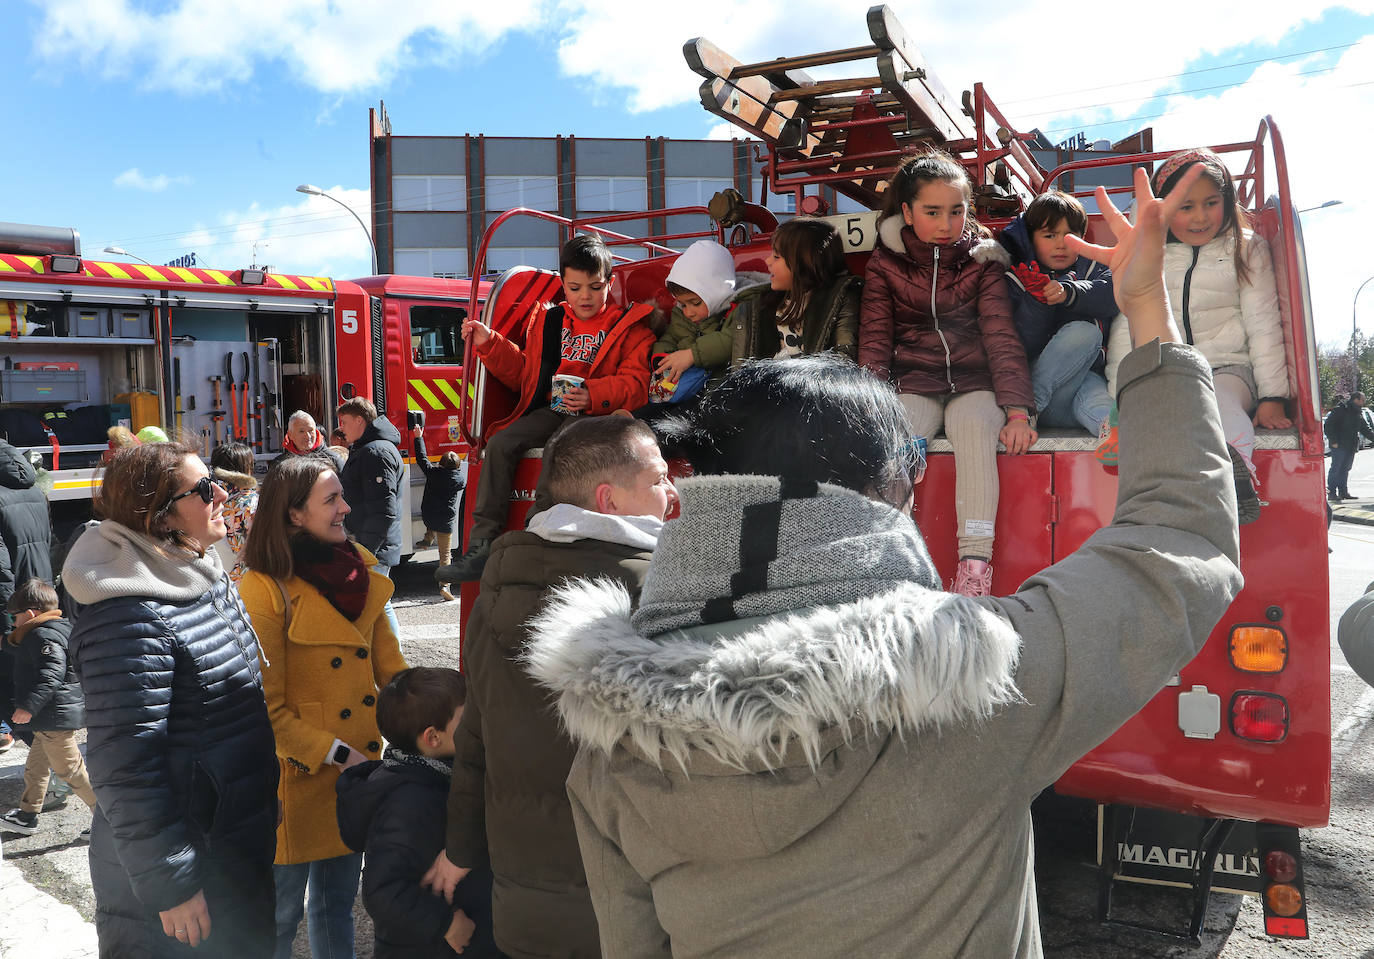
point(1283, 899)
point(1259, 649)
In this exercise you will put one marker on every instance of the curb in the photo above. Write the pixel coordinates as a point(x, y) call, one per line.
point(1361, 515)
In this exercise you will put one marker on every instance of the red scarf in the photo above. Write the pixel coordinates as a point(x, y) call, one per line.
point(290, 444)
point(335, 569)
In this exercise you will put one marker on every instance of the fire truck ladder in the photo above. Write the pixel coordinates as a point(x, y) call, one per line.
point(851, 134)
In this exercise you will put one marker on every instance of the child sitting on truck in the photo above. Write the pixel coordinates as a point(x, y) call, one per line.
point(1063, 306)
point(586, 337)
point(936, 322)
point(702, 281)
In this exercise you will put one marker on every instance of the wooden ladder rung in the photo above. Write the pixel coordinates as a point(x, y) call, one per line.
point(826, 87)
point(782, 64)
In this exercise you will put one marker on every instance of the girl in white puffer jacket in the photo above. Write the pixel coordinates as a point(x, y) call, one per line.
point(1220, 278)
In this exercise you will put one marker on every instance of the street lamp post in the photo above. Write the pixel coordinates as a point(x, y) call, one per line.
point(1320, 206)
point(1354, 332)
point(120, 251)
point(316, 191)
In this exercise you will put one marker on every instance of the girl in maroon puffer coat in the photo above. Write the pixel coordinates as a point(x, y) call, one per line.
point(936, 322)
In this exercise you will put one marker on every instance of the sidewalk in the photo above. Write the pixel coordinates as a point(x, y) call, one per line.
point(36, 924)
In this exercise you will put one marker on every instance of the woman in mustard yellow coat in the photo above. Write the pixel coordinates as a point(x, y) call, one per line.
point(327, 648)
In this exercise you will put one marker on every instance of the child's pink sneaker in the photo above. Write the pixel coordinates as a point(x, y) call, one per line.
point(973, 578)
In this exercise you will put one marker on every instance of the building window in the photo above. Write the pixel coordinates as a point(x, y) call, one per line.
point(447, 262)
point(436, 335)
point(612, 193)
point(411, 193)
point(692, 191)
point(502, 258)
point(782, 202)
point(534, 192)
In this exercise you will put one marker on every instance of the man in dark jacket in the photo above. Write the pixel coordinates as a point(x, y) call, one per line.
point(25, 553)
point(371, 480)
point(48, 702)
point(507, 801)
point(1344, 426)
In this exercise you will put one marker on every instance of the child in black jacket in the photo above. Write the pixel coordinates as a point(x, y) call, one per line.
point(393, 810)
point(47, 702)
point(439, 507)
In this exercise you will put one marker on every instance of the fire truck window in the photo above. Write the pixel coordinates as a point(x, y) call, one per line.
point(436, 334)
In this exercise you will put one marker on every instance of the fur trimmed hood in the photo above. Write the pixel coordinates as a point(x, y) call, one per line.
point(982, 249)
point(775, 691)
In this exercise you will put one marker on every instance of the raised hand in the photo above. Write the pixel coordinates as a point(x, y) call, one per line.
point(1137, 258)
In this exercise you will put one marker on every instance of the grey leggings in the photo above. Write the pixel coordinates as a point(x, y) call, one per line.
point(972, 422)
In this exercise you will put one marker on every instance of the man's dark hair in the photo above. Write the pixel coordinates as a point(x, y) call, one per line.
point(817, 418)
point(32, 594)
point(1046, 210)
point(592, 450)
point(416, 699)
point(588, 253)
point(359, 406)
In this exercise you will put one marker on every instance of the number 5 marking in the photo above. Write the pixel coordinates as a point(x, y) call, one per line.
point(350, 321)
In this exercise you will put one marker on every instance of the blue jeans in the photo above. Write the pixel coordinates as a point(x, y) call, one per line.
point(1342, 459)
point(390, 613)
point(333, 885)
point(1067, 392)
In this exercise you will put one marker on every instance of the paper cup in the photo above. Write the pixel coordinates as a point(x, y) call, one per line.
point(562, 382)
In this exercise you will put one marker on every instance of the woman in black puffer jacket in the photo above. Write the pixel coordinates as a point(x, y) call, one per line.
point(180, 749)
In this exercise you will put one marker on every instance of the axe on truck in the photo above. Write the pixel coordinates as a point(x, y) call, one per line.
point(176, 385)
point(217, 414)
point(233, 394)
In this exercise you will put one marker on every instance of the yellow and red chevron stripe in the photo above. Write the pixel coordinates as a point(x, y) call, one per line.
point(17, 263)
point(436, 395)
point(144, 273)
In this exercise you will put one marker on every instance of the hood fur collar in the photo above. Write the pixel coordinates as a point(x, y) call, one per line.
point(772, 691)
point(982, 249)
point(236, 480)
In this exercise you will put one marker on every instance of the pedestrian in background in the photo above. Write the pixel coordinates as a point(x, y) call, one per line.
point(179, 746)
point(25, 553)
point(232, 464)
point(304, 438)
point(47, 701)
point(371, 479)
point(316, 601)
point(1344, 426)
point(439, 508)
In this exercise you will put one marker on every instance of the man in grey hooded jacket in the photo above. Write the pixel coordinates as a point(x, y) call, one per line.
point(797, 745)
point(610, 490)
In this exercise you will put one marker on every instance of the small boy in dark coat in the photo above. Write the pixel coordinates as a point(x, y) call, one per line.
point(393, 810)
point(439, 507)
point(47, 702)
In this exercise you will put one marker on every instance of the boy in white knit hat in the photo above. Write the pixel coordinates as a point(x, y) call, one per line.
point(702, 281)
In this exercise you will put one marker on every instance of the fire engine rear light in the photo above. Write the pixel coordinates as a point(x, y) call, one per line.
point(1280, 866)
point(1283, 899)
point(65, 263)
point(1259, 717)
point(1259, 649)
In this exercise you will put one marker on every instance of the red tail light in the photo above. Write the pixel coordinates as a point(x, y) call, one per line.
point(1259, 717)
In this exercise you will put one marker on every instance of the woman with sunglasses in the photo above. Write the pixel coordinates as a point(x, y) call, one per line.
point(317, 606)
point(179, 746)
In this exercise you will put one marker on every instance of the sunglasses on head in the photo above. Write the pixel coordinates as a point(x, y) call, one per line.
point(205, 488)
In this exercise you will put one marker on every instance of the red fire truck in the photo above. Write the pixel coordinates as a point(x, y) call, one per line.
point(212, 355)
point(1206, 787)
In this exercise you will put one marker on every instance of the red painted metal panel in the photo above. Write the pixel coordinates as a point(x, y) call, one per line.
point(1149, 762)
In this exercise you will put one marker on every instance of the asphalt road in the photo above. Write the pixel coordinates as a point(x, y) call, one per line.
point(1339, 859)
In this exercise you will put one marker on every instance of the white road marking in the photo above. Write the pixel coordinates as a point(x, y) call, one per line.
point(1350, 729)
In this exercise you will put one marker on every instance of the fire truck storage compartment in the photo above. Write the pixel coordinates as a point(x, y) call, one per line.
point(124, 322)
point(43, 386)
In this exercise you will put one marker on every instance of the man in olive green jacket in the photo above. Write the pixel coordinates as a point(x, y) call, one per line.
point(507, 799)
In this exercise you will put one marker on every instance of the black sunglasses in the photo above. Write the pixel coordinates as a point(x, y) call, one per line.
point(205, 487)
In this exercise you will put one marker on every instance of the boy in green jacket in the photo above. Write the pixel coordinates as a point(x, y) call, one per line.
point(702, 281)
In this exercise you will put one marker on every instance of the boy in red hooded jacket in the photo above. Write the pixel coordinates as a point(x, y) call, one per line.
point(585, 336)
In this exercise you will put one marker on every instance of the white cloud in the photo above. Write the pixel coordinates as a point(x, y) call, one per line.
point(724, 131)
point(135, 180)
point(313, 237)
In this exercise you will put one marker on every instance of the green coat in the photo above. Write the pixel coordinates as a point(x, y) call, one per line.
point(710, 341)
point(830, 323)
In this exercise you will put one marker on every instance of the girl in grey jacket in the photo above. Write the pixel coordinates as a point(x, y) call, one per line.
point(797, 745)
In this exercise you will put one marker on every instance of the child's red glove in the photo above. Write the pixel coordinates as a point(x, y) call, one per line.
point(1032, 279)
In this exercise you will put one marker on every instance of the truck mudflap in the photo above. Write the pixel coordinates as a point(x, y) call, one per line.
point(1155, 847)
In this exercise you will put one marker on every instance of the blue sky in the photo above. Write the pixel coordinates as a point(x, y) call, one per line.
point(185, 125)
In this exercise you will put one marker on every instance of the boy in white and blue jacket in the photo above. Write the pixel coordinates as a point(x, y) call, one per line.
point(1063, 307)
